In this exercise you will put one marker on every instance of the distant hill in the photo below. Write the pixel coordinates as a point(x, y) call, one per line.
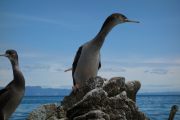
point(39, 91)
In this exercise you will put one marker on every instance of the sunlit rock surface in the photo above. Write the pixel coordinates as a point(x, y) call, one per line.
point(98, 99)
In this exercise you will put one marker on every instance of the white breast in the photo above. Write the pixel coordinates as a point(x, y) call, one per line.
point(88, 63)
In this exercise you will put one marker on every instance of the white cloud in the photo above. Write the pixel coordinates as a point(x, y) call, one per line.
point(50, 73)
point(156, 72)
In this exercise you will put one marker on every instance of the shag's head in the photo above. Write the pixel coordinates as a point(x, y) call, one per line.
point(174, 108)
point(12, 55)
point(120, 18)
point(115, 19)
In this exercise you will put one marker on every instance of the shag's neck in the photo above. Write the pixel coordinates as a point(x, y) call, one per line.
point(105, 29)
point(17, 74)
point(15, 66)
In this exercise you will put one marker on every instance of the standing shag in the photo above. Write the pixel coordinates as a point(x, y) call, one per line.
point(87, 60)
point(173, 111)
point(12, 94)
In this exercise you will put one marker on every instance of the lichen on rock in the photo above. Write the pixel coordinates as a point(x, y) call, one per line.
point(44, 112)
point(100, 99)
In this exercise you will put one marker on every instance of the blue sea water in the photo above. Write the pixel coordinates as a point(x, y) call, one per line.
point(156, 107)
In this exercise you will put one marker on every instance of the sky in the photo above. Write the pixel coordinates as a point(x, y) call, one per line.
point(46, 34)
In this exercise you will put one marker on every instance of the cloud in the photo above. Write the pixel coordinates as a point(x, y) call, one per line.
point(42, 70)
point(112, 69)
point(157, 71)
point(131, 62)
point(44, 67)
point(59, 69)
point(159, 88)
point(36, 67)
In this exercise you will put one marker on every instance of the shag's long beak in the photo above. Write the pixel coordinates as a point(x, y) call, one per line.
point(5, 55)
point(131, 21)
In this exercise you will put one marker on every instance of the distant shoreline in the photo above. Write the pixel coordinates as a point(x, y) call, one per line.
point(37, 91)
point(143, 94)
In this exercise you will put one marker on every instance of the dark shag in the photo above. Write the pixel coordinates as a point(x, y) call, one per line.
point(173, 111)
point(12, 94)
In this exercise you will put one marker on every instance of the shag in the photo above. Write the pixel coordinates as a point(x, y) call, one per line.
point(87, 59)
point(12, 94)
point(173, 111)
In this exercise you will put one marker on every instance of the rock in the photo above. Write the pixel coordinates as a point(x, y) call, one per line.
point(112, 99)
point(94, 115)
point(132, 88)
point(114, 86)
point(43, 112)
point(93, 83)
point(90, 102)
point(98, 99)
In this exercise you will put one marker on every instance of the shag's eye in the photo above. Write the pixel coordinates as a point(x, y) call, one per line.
point(124, 17)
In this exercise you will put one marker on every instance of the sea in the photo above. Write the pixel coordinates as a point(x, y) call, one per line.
point(156, 107)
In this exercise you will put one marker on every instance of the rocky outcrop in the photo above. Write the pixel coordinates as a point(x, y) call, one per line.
point(98, 99)
point(44, 112)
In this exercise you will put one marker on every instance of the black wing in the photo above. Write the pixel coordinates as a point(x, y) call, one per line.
point(5, 95)
point(99, 62)
point(76, 59)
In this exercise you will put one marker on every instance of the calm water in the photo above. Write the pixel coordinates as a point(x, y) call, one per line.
point(155, 107)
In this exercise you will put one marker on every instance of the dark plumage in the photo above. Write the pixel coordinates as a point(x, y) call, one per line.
point(12, 94)
point(78, 53)
point(173, 111)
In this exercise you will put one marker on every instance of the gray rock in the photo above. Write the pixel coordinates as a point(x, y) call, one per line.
point(111, 98)
point(44, 112)
point(93, 83)
point(93, 115)
point(114, 86)
point(132, 88)
point(90, 101)
point(98, 99)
